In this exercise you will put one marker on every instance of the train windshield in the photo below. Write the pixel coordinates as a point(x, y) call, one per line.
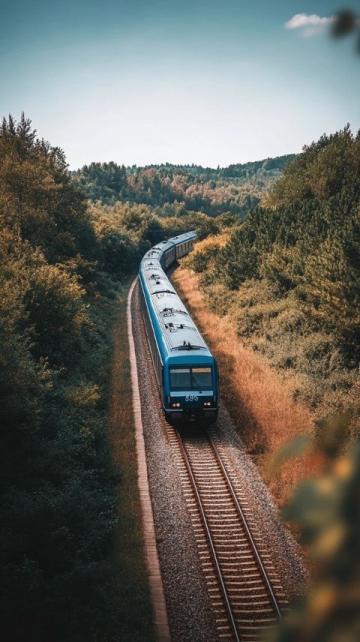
point(190, 378)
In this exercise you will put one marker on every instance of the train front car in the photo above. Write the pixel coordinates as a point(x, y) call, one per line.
point(190, 388)
point(185, 369)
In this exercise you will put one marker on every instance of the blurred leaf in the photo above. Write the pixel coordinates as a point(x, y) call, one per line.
point(332, 433)
point(345, 23)
point(294, 448)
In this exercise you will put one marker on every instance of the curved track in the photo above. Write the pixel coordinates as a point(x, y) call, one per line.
point(245, 591)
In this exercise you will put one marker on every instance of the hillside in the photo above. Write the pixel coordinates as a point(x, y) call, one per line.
point(178, 188)
point(289, 276)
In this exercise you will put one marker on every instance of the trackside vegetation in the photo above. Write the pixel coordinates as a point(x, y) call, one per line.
point(66, 532)
point(289, 276)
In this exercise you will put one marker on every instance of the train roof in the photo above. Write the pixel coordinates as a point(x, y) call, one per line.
point(158, 249)
point(179, 333)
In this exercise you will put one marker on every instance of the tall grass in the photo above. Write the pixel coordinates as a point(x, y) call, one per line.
point(260, 400)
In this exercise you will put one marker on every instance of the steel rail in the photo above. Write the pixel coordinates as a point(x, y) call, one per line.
point(210, 540)
point(251, 540)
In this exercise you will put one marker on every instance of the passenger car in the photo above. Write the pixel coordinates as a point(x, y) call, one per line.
point(185, 369)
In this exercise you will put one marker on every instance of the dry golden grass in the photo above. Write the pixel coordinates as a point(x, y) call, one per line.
point(258, 399)
point(217, 240)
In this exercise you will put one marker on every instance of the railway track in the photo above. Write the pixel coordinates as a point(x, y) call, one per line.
point(245, 592)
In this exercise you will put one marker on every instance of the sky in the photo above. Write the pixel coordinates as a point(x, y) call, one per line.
point(183, 81)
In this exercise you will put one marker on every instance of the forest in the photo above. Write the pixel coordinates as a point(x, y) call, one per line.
point(57, 499)
point(234, 189)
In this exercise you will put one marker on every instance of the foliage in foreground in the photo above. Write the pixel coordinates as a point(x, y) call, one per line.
point(326, 512)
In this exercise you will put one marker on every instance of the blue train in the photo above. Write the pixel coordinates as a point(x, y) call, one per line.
point(185, 369)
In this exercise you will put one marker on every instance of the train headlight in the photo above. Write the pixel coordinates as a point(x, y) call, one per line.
point(176, 404)
point(207, 404)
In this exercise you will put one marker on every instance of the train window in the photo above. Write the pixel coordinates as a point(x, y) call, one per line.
point(180, 378)
point(190, 378)
point(201, 378)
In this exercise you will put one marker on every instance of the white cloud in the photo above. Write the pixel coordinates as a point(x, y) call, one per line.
point(309, 25)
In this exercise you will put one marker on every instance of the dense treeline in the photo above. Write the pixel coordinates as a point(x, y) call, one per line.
point(61, 261)
point(235, 189)
point(290, 274)
point(57, 502)
point(125, 231)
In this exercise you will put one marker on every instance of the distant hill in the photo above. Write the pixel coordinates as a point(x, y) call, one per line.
point(237, 170)
point(236, 188)
point(240, 170)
